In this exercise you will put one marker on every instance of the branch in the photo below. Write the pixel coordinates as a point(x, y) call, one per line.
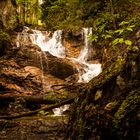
point(41, 99)
point(46, 108)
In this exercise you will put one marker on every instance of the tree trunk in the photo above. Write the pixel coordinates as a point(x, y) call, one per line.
point(107, 107)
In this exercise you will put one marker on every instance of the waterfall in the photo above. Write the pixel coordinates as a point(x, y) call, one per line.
point(84, 52)
point(89, 70)
point(54, 46)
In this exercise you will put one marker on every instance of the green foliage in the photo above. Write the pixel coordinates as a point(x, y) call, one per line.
point(4, 36)
point(69, 14)
point(128, 42)
point(74, 14)
point(29, 11)
point(42, 112)
point(102, 33)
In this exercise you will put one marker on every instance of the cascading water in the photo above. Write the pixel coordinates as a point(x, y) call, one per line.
point(59, 111)
point(88, 70)
point(84, 52)
point(54, 46)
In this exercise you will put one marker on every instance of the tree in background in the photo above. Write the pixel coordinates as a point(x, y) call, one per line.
point(28, 11)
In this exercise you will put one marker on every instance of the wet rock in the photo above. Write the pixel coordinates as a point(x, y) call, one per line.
point(16, 79)
point(33, 70)
point(31, 56)
point(24, 79)
point(61, 68)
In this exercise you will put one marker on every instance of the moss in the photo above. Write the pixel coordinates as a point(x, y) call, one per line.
point(128, 105)
point(4, 36)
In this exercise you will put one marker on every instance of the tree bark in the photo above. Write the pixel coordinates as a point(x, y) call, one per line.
point(103, 117)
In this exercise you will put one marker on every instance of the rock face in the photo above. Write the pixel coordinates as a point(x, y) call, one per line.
point(7, 14)
point(28, 70)
point(31, 55)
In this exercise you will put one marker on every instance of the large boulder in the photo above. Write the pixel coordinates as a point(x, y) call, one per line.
point(31, 55)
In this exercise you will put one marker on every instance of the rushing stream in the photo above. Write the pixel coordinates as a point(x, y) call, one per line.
point(54, 46)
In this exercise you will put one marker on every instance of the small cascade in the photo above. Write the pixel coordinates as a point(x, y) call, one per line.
point(41, 38)
point(38, 38)
point(59, 111)
point(88, 70)
point(54, 45)
point(84, 52)
point(23, 37)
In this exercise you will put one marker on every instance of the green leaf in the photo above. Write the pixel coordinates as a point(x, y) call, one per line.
point(128, 42)
point(120, 31)
point(123, 23)
point(101, 28)
point(42, 112)
point(129, 29)
point(131, 26)
point(93, 38)
point(107, 36)
point(110, 32)
point(54, 7)
point(116, 41)
point(121, 40)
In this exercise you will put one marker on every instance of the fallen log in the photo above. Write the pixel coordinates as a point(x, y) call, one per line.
point(45, 108)
point(34, 99)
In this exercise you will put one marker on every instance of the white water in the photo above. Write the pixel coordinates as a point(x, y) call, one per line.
point(84, 52)
point(89, 70)
point(59, 111)
point(54, 46)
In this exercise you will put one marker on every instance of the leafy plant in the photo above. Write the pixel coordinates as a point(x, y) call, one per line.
point(118, 36)
point(42, 112)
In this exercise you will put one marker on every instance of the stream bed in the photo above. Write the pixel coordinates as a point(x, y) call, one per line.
point(34, 128)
